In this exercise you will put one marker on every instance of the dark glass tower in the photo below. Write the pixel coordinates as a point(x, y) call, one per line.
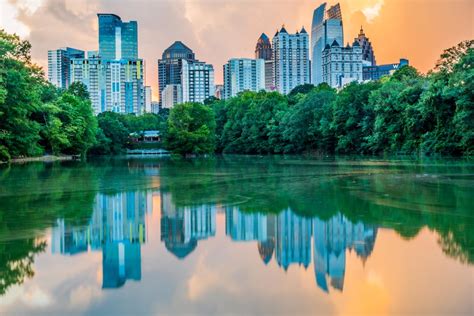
point(170, 65)
point(263, 50)
point(117, 39)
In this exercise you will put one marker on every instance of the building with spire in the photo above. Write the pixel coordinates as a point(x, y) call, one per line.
point(290, 59)
point(263, 50)
point(368, 55)
point(326, 28)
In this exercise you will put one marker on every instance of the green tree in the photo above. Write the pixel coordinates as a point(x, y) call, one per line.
point(191, 129)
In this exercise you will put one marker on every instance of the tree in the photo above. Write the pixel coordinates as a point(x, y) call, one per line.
point(191, 129)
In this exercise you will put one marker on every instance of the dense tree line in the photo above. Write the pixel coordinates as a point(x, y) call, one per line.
point(36, 118)
point(406, 113)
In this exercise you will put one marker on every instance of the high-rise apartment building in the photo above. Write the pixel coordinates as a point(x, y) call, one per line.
point(326, 27)
point(241, 74)
point(172, 94)
point(263, 50)
point(59, 61)
point(113, 85)
point(368, 55)
point(342, 65)
point(117, 39)
point(197, 81)
point(147, 106)
point(92, 72)
point(291, 60)
point(170, 65)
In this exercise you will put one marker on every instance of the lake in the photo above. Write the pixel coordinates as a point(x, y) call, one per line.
point(238, 235)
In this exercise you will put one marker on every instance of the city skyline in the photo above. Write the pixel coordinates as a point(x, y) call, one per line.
point(204, 25)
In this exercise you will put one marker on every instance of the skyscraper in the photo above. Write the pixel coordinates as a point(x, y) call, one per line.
point(368, 55)
point(113, 85)
point(117, 39)
point(170, 64)
point(291, 60)
point(241, 74)
point(326, 27)
point(197, 81)
point(263, 50)
point(59, 61)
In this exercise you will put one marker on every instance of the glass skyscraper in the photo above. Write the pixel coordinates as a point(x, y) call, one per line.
point(326, 27)
point(117, 39)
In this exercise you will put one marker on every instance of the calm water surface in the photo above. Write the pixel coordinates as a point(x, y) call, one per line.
point(239, 235)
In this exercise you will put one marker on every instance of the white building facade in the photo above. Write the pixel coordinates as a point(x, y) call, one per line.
point(243, 74)
point(172, 94)
point(342, 65)
point(291, 60)
point(113, 85)
point(197, 81)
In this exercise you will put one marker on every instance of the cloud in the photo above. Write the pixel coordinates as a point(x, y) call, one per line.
point(371, 12)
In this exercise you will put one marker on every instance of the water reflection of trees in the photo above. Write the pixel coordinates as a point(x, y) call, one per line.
point(402, 196)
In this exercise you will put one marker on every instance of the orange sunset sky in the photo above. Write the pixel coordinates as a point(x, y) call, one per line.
point(218, 30)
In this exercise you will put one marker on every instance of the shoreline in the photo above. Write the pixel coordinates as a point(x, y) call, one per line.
point(47, 158)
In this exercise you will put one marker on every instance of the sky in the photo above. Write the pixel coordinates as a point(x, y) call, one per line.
point(218, 30)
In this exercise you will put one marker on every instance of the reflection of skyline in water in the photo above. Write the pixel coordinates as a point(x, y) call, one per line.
point(118, 228)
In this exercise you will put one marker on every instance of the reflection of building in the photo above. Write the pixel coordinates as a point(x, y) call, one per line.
point(293, 239)
point(245, 227)
point(331, 239)
point(117, 227)
point(182, 227)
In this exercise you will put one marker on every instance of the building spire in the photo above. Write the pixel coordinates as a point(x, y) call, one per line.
point(361, 33)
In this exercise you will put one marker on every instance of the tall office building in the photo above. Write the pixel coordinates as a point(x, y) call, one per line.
point(368, 55)
point(117, 39)
point(291, 60)
point(243, 74)
point(170, 65)
point(263, 50)
point(197, 81)
point(59, 61)
point(342, 65)
point(326, 27)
